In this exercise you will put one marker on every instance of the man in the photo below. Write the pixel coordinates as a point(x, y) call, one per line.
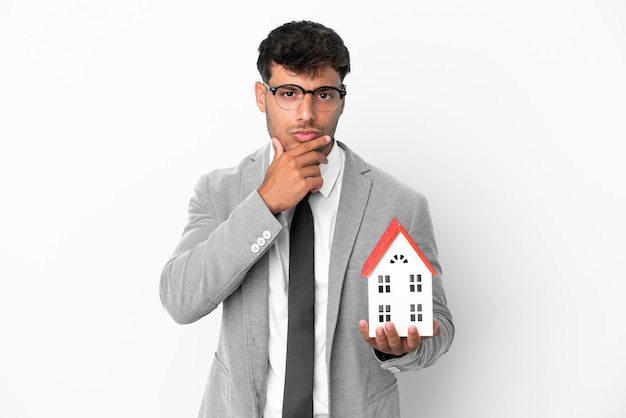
point(235, 249)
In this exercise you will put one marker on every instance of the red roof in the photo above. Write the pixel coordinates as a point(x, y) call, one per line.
point(394, 228)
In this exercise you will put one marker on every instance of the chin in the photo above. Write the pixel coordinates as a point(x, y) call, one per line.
point(327, 146)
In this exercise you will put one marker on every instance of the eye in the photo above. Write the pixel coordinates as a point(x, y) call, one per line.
point(326, 94)
point(289, 93)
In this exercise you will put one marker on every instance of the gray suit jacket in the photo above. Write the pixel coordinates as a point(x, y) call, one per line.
point(218, 261)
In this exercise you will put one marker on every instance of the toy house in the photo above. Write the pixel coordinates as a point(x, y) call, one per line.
point(399, 283)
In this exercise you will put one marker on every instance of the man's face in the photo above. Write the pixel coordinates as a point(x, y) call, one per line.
point(305, 122)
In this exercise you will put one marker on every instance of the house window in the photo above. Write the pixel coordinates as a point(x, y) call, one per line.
point(398, 259)
point(415, 281)
point(415, 278)
point(384, 284)
point(384, 313)
point(416, 308)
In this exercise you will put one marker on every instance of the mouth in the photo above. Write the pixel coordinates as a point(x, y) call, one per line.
point(305, 135)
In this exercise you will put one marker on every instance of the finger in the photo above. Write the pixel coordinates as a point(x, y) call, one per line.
point(310, 171)
point(311, 159)
point(316, 188)
point(381, 340)
point(278, 148)
point(312, 145)
point(364, 329)
point(393, 338)
point(315, 184)
point(413, 339)
point(308, 179)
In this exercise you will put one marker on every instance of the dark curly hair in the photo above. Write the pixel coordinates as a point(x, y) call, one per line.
point(303, 47)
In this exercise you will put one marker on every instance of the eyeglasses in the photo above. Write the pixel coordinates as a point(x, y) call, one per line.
point(289, 96)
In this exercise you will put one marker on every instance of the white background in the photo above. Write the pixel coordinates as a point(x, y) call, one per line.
point(508, 116)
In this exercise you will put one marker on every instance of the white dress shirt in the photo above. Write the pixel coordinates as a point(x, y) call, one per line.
point(324, 206)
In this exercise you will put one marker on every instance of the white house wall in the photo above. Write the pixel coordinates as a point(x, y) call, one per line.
point(400, 298)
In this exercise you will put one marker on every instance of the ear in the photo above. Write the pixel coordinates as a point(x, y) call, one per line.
point(260, 93)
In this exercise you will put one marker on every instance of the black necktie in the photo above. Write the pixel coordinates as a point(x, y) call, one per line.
point(298, 399)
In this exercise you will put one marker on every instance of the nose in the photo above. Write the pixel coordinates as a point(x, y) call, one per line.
point(306, 110)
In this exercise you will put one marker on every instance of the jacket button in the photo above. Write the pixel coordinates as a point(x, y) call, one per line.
point(255, 248)
point(267, 234)
point(260, 241)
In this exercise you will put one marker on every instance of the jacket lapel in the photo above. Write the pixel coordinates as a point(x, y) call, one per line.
point(355, 192)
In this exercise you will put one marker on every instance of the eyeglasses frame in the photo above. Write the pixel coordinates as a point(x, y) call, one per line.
point(342, 93)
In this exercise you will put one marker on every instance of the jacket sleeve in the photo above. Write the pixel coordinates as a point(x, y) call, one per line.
point(220, 243)
point(421, 230)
